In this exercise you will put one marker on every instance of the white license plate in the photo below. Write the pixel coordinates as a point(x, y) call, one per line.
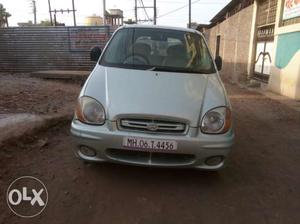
point(149, 144)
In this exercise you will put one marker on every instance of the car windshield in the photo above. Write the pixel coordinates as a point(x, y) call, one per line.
point(158, 50)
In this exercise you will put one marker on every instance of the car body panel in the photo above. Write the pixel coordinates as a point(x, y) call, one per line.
point(140, 92)
point(102, 138)
point(137, 93)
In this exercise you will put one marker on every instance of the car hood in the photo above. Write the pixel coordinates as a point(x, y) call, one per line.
point(129, 92)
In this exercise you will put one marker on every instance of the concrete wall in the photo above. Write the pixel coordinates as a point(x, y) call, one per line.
point(285, 70)
point(236, 43)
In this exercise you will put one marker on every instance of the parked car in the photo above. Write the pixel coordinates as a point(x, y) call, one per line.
point(154, 98)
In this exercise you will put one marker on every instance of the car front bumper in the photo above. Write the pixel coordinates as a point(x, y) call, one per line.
point(194, 148)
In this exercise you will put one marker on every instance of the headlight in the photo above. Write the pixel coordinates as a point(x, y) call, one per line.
point(90, 111)
point(216, 121)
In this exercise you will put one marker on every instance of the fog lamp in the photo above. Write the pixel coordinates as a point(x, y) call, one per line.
point(214, 160)
point(87, 151)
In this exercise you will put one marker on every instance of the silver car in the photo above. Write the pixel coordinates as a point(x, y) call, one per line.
point(154, 98)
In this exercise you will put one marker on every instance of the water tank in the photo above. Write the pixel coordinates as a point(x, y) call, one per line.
point(93, 20)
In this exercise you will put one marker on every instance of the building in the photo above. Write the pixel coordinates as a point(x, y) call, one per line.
point(285, 70)
point(259, 39)
point(194, 25)
point(93, 20)
point(229, 36)
point(114, 17)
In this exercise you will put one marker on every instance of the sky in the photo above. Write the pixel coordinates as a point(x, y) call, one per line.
point(202, 10)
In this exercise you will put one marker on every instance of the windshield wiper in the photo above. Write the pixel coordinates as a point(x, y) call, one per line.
point(178, 70)
point(152, 69)
point(164, 69)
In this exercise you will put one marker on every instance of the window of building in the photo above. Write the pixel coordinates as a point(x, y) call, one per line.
point(266, 12)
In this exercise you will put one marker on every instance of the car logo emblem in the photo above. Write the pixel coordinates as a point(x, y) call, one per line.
point(152, 127)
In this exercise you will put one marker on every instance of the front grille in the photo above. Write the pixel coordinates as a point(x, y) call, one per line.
point(154, 126)
point(150, 158)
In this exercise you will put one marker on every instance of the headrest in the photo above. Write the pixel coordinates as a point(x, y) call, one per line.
point(141, 48)
point(176, 50)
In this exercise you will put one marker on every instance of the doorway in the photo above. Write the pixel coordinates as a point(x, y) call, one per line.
point(218, 45)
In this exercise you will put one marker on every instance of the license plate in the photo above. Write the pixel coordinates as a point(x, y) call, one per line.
point(149, 144)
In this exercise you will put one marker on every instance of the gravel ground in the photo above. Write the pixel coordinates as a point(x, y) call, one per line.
point(260, 185)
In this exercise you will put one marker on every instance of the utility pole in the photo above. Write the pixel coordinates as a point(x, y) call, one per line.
point(144, 8)
point(6, 20)
point(55, 23)
point(74, 16)
point(190, 13)
point(61, 11)
point(104, 12)
point(49, 5)
point(34, 11)
point(135, 11)
point(155, 15)
point(73, 10)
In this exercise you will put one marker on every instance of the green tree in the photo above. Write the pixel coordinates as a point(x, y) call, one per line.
point(45, 23)
point(129, 21)
point(3, 16)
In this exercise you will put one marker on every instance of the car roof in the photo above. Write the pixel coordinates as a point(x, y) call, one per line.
point(160, 27)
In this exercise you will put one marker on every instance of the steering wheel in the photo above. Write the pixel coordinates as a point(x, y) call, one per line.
point(136, 59)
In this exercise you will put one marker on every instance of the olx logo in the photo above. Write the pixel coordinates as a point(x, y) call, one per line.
point(23, 196)
point(27, 196)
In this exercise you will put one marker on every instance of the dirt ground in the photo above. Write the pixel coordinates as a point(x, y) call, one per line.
point(260, 185)
point(22, 94)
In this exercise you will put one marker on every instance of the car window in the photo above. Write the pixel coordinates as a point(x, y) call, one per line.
point(158, 49)
point(117, 48)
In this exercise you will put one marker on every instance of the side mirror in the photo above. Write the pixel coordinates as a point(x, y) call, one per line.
point(95, 53)
point(218, 62)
